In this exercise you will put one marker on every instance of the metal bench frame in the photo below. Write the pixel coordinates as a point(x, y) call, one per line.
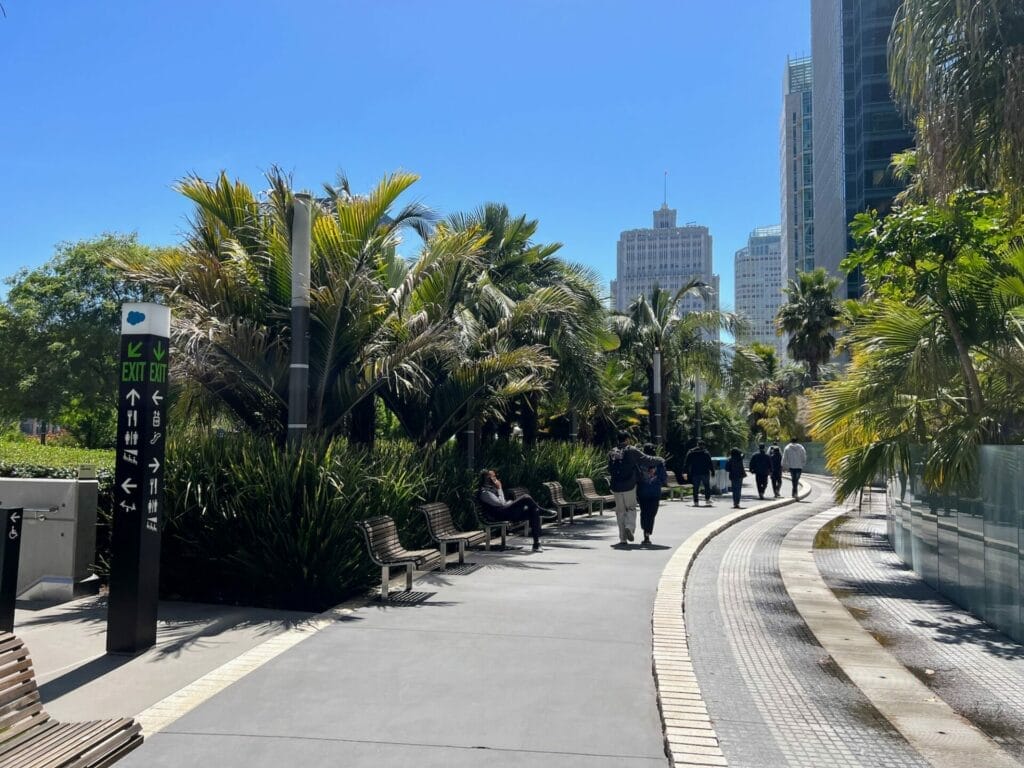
point(387, 551)
point(561, 503)
point(30, 738)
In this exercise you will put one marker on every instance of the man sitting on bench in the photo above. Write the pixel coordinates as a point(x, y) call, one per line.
point(496, 508)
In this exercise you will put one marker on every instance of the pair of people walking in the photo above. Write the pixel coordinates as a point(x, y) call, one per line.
point(769, 463)
point(635, 476)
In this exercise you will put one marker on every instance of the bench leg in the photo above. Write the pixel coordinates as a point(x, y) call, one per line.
point(504, 534)
point(408, 578)
point(462, 551)
point(385, 581)
point(444, 555)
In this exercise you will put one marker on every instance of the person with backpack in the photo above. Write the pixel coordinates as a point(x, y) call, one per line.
point(775, 454)
point(648, 492)
point(734, 466)
point(624, 463)
point(697, 467)
point(761, 469)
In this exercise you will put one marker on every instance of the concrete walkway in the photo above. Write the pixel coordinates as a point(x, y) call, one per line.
point(536, 659)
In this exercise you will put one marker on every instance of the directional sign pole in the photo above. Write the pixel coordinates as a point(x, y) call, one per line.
point(10, 552)
point(138, 478)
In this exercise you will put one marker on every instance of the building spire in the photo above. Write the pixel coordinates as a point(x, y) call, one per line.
point(664, 202)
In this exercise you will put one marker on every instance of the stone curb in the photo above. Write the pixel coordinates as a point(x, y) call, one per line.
point(689, 736)
point(940, 736)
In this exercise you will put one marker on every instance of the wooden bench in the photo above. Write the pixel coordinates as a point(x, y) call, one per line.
point(442, 530)
point(673, 488)
point(592, 497)
point(561, 503)
point(387, 551)
point(30, 739)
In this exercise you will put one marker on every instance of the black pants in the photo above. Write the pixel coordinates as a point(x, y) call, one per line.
point(648, 511)
point(523, 508)
point(794, 475)
point(698, 481)
point(737, 490)
point(777, 483)
point(762, 484)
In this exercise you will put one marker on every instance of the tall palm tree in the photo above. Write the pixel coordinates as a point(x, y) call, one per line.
point(658, 322)
point(957, 68)
point(809, 316)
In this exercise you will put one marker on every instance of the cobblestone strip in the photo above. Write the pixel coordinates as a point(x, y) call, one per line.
point(184, 700)
point(689, 735)
point(941, 736)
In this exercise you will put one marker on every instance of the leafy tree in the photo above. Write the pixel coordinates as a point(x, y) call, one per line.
point(809, 317)
point(957, 68)
point(59, 330)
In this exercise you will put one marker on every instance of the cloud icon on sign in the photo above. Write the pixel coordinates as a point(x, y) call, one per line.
point(134, 318)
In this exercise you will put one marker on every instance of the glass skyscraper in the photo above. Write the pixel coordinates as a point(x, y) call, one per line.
point(797, 169)
point(857, 127)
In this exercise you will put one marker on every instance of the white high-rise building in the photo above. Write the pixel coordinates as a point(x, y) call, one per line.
point(759, 287)
point(666, 256)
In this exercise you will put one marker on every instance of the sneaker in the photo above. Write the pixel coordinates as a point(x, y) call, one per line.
point(646, 542)
point(696, 503)
point(629, 535)
point(536, 547)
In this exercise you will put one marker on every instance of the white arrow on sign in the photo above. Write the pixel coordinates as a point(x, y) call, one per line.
point(132, 396)
point(15, 517)
point(154, 465)
point(128, 486)
point(157, 397)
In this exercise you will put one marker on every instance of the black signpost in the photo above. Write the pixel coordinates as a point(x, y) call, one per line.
point(138, 478)
point(10, 551)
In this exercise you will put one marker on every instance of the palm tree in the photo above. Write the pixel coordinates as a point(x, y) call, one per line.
point(809, 316)
point(658, 322)
point(957, 68)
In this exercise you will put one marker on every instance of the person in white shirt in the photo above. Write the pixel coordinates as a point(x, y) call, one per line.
point(794, 458)
point(496, 508)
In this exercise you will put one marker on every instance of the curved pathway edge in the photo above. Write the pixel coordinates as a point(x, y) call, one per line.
point(941, 736)
point(689, 736)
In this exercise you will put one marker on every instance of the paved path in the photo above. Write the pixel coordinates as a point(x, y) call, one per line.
point(529, 660)
point(774, 696)
point(975, 669)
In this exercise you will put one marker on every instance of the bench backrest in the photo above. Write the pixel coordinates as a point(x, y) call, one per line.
point(439, 519)
point(586, 486)
point(557, 495)
point(518, 492)
point(381, 535)
point(20, 706)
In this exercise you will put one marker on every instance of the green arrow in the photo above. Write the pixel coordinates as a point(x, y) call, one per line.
point(159, 351)
point(134, 350)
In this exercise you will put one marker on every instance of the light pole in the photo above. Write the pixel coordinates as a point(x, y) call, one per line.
point(697, 387)
point(657, 396)
point(298, 380)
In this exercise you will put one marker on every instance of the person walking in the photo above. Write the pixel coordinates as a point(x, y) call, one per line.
point(648, 492)
point(775, 454)
point(794, 458)
point(734, 466)
point(761, 469)
point(496, 509)
point(624, 463)
point(697, 467)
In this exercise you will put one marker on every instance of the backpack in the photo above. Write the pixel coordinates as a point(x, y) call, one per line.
point(617, 466)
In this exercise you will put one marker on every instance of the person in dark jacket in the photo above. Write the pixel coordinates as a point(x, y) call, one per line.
point(495, 508)
point(734, 466)
point(648, 492)
point(624, 464)
point(697, 468)
point(761, 469)
point(775, 454)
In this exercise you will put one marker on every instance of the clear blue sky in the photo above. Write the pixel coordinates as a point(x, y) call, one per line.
point(567, 110)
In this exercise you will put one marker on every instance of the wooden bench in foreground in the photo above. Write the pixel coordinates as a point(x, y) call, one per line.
point(29, 738)
point(387, 551)
point(442, 530)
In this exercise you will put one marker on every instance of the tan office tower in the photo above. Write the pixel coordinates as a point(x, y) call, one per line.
point(759, 288)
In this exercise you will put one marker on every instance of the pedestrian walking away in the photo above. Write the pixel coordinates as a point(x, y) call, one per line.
point(697, 468)
point(761, 469)
point(734, 466)
point(496, 508)
point(648, 492)
point(775, 454)
point(794, 458)
point(624, 463)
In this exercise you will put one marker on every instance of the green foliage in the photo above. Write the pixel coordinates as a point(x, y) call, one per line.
point(810, 316)
point(30, 459)
point(59, 331)
point(247, 522)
